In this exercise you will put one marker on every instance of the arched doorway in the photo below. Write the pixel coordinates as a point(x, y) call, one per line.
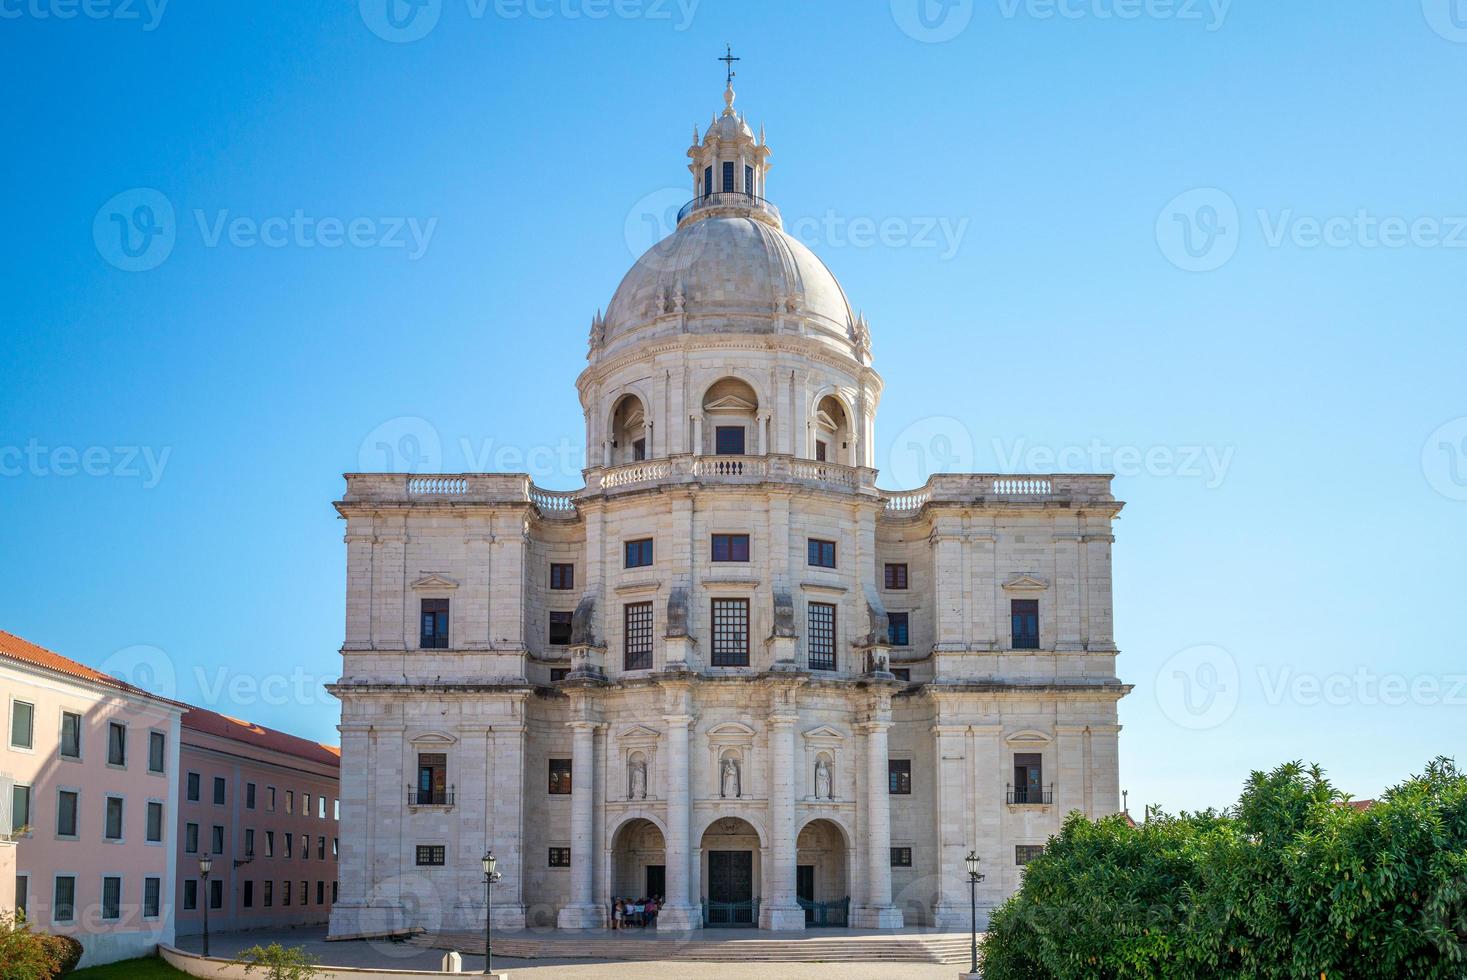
point(822, 886)
point(731, 872)
point(833, 433)
point(629, 431)
point(638, 861)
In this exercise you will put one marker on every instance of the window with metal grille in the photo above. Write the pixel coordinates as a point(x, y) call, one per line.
point(899, 777)
point(749, 180)
point(111, 897)
point(639, 553)
point(821, 636)
point(1024, 853)
point(708, 180)
point(434, 632)
point(896, 576)
point(728, 176)
point(730, 547)
point(901, 857)
point(560, 628)
point(1025, 616)
point(562, 576)
point(431, 855)
point(559, 857)
point(560, 777)
point(638, 619)
point(152, 888)
point(730, 632)
point(897, 633)
point(820, 554)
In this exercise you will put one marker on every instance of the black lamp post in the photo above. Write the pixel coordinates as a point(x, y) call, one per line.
point(490, 877)
point(974, 876)
point(205, 866)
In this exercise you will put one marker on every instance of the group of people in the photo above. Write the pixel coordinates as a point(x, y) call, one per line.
point(642, 912)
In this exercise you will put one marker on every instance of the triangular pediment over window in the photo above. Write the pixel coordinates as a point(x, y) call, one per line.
point(1026, 583)
point(435, 580)
point(729, 403)
point(824, 732)
point(639, 732)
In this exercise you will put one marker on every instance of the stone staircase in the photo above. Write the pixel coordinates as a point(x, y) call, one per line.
point(830, 946)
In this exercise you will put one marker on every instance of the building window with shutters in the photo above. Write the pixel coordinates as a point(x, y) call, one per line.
point(1024, 614)
point(562, 576)
point(432, 781)
point(730, 547)
point(899, 777)
point(820, 554)
point(730, 632)
point(896, 576)
point(560, 777)
point(434, 632)
point(638, 622)
point(820, 637)
point(897, 631)
point(639, 553)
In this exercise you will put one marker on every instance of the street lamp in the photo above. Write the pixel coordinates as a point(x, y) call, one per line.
point(205, 866)
point(974, 876)
point(490, 877)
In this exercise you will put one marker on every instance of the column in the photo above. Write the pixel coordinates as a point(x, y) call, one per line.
point(504, 820)
point(697, 435)
point(878, 912)
point(583, 912)
point(950, 817)
point(762, 424)
point(358, 586)
point(678, 913)
point(778, 909)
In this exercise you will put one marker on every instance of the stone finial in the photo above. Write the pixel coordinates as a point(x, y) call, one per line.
point(861, 333)
point(728, 99)
point(598, 331)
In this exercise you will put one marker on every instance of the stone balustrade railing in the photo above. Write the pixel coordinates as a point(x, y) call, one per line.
point(732, 469)
point(1001, 487)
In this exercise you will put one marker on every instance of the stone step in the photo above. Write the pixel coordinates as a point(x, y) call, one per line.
point(946, 948)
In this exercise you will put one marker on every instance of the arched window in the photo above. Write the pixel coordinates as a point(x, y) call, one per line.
point(730, 418)
point(629, 431)
point(834, 442)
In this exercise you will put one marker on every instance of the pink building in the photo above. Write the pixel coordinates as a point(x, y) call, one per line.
point(88, 782)
point(263, 806)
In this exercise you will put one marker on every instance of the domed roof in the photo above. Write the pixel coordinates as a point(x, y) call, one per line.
point(729, 273)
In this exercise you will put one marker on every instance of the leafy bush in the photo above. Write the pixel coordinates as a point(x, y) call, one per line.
point(1289, 883)
point(278, 962)
point(26, 955)
point(68, 953)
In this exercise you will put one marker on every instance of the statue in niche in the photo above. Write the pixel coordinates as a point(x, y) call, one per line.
point(729, 786)
point(637, 780)
point(822, 780)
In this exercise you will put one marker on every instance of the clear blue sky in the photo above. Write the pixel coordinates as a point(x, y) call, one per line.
point(1061, 313)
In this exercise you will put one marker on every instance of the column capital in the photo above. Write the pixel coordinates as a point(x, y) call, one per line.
point(583, 725)
point(783, 720)
point(873, 726)
point(680, 721)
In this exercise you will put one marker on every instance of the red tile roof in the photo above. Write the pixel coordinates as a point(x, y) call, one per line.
point(24, 651)
point(213, 723)
point(1362, 804)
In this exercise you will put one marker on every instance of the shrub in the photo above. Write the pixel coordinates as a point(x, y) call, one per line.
point(26, 955)
point(68, 953)
point(279, 962)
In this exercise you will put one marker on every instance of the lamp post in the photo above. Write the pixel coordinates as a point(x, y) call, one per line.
point(974, 876)
point(205, 866)
point(490, 877)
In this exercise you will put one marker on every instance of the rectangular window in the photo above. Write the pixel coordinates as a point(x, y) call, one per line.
point(730, 547)
point(901, 857)
point(305, 893)
point(560, 628)
point(728, 440)
point(902, 673)
point(748, 180)
point(249, 796)
point(157, 743)
point(320, 893)
point(289, 845)
point(431, 855)
point(558, 674)
point(152, 889)
point(270, 798)
point(1024, 853)
point(708, 180)
point(728, 176)
point(190, 894)
point(249, 842)
point(899, 777)
point(219, 790)
point(730, 632)
point(320, 848)
point(821, 636)
point(638, 621)
point(66, 807)
point(320, 808)
point(247, 898)
point(639, 449)
point(112, 825)
point(22, 893)
point(290, 801)
point(896, 576)
point(192, 791)
point(70, 735)
point(269, 843)
point(305, 804)
point(20, 808)
point(333, 891)
point(335, 808)
point(267, 893)
point(285, 893)
point(190, 838)
point(897, 629)
point(1028, 778)
point(116, 744)
point(111, 897)
point(63, 900)
point(821, 554)
point(433, 634)
point(305, 847)
point(216, 893)
point(155, 822)
point(560, 777)
point(822, 451)
point(639, 553)
point(22, 724)
point(216, 839)
point(335, 846)
point(562, 576)
point(559, 857)
point(1025, 616)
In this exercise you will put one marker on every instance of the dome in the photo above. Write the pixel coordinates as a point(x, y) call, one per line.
point(730, 273)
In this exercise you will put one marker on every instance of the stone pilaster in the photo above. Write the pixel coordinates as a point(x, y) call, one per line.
point(878, 912)
point(778, 909)
point(950, 813)
point(678, 912)
point(583, 912)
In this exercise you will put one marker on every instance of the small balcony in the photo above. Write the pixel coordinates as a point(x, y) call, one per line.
point(430, 797)
point(1031, 796)
point(733, 200)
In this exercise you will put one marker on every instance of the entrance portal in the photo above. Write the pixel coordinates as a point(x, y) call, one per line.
point(638, 861)
point(821, 887)
point(730, 874)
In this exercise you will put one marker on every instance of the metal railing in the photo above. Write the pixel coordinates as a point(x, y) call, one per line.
point(1031, 796)
point(430, 797)
point(724, 199)
point(826, 914)
point(731, 915)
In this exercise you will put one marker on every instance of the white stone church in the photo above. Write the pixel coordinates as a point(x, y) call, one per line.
point(730, 670)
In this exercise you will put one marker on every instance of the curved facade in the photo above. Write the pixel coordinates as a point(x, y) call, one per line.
point(730, 670)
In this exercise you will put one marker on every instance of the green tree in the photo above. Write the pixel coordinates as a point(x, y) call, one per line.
point(279, 962)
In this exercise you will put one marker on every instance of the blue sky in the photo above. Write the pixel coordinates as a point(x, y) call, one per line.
point(1217, 248)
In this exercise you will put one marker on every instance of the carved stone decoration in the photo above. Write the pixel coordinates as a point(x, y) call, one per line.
point(677, 611)
point(860, 334)
point(598, 331)
point(784, 612)
point(637, 779)
point(876, 613)
point(728, 786)
point(823, 780)
point(583, 623)
point(678, 298)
